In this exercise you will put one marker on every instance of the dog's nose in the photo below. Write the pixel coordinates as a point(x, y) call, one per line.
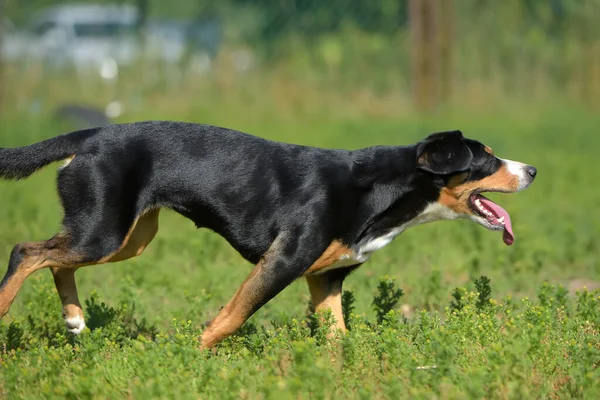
point(532, 171)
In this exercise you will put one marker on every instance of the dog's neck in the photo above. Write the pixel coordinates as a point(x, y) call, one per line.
point(383, 163)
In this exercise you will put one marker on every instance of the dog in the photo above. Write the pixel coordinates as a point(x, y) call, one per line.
point(293, 211)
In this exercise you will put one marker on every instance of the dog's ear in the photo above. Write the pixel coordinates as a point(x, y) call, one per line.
point(444, 153)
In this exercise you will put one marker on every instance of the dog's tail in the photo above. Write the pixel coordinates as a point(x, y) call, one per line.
point(22, 162)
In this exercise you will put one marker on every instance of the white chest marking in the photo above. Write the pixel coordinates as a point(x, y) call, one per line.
point(363, 251)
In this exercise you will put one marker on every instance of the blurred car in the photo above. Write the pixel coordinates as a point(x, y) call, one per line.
point(80, 35)
point(86, 35)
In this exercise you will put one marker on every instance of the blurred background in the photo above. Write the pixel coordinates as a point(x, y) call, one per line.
point(295, 57)
point(522, 76)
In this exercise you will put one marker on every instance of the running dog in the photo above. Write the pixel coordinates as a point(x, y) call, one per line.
point(293, 211)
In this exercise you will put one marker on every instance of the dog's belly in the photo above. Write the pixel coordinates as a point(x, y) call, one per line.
point(341, 263)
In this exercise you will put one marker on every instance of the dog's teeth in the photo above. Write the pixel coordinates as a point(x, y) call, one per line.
point(501, 220)
point(478, 202)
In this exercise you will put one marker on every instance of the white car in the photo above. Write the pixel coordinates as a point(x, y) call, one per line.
point(86, 35)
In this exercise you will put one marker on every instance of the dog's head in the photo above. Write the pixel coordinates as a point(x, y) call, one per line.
point(469, 168)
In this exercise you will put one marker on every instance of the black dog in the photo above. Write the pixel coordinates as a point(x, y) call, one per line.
point(291, 210)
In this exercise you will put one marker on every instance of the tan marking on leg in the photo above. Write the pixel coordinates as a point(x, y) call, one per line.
point(327, 295)
point(336, 251)
point(64, 280)
point(10, 290)
point(35, 256)
point(243, 303)
point(236, 312)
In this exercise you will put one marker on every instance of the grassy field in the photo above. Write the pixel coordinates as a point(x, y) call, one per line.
point(531, 332)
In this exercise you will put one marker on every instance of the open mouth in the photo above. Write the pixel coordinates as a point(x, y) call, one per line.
point(496, 216)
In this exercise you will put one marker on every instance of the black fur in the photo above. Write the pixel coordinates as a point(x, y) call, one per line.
point(444, 153)
point(22, 162)
point(245, 188)
point(280, 203)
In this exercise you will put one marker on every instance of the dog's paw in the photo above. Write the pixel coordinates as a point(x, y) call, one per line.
point(75, 325)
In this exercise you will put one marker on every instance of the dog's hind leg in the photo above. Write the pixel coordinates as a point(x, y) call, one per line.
point(64, 279)
point(101, 225)
point(63, 258)
point(139, 236)
point(26, 258)
point(100, 211)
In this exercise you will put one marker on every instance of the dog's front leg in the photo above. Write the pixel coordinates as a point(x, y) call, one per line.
point(326, 294)
point(288, 257)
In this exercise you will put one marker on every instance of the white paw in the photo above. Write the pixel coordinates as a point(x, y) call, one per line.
point(75, 324)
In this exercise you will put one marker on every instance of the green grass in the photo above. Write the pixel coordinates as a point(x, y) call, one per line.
point(531, 337)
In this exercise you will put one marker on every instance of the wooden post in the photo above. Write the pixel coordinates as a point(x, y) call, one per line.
point(424, 53)
point(415, 16)
point(446, 42)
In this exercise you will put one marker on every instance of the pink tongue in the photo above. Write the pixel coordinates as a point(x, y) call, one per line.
point(500, 212)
